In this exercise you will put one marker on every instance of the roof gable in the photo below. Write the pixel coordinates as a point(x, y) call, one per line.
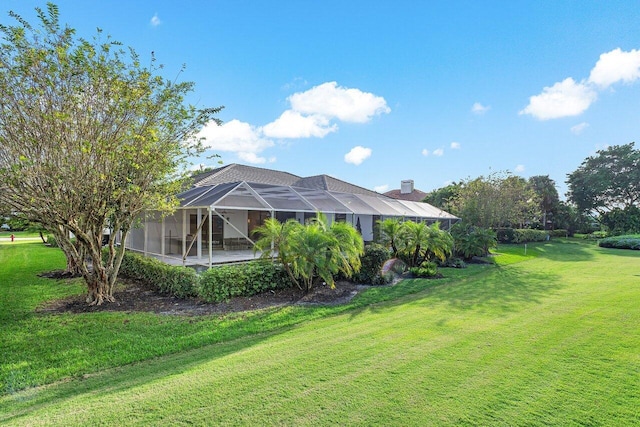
point(326, 182)
point(238, 173)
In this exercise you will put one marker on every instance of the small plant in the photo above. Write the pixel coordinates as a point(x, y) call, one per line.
point(426, 269)
point(372, 260)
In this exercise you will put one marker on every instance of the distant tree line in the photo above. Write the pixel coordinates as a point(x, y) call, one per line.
point(603, 191)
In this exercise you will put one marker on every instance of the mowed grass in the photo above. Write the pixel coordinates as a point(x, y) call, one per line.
point(552, 340)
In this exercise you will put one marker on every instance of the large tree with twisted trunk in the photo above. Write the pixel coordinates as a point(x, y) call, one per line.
point(89, 138)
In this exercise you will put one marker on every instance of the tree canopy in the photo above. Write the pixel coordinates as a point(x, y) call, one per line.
point(89, 138)
point(608, 180)
point(497, 200)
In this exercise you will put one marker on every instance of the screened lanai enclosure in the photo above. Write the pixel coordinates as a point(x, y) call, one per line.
point(214, 223)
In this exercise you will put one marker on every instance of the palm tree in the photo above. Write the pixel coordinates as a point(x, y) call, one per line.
point(312, 252)
point(391, 234)
point(422, 242)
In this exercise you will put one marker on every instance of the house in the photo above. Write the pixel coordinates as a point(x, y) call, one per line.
point(407, 191)
point(218, 214)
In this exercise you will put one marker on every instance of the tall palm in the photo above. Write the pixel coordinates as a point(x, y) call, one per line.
point(275, 239)
point(391, 234)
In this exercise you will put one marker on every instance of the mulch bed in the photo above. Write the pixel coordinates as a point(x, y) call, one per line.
point(132, 296)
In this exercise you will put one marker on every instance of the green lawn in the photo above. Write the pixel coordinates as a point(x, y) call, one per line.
point(551, 338)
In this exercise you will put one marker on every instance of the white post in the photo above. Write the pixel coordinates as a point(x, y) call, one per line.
point(162, 237)
point(146, 233)
point(184, 235)
point(210, 238)
point(199, 240)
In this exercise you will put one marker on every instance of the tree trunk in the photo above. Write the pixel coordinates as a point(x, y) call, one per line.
point(75, 257)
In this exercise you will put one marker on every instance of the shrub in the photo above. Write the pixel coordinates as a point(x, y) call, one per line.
point(470, 241)
point(559, 233)
point(598, 235)
point(454, 262)
point(227, 281)
point(51, 241)
point(621, 242)
point(169, 279)
point(372, 261)
point(426, 269)
point(521, 235)
point(505, 235)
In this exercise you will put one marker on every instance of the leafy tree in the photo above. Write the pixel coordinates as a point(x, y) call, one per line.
point(569, 218)
point(608, 180)
point(312, 252)
point(622, 221)
point(547, 193)
point(443, 197)
point(496, 201)
point(89, 138)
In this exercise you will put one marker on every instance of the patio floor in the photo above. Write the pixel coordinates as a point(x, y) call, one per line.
point(219, 257)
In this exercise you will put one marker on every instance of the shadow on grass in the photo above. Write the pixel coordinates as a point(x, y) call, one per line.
point(119, 379)
point(562, 250)
point(497, 290)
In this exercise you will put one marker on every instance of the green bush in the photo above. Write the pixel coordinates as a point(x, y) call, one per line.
point(224, 282)
point(372, 261)
point(470, 241)
point(169, 279)
point(524, 235)
point(505, 235)
point(454, 262)
point(426, 269)
point(51, 241)
point(621, 242)
point(598, 235)
point(559, 233)
point(521, 235)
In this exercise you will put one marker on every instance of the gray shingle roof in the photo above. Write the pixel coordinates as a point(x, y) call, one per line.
point(238, 173)
point(326, 182)
point(415, 196)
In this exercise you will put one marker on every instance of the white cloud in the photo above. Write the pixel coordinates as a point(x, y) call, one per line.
point(237, 137)
point(479, 109)
point(563, 99)
point(333, 101)
point(357, 155)
point(455, 145)
point(616, 66)
point(579, 128)
point(155, 21)
point(519, 168)
point(381, 188)
point(438, 152)
point(425, 152)
point(292, 124)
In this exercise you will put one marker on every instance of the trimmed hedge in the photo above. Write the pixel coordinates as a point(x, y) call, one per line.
point(169, 279)
point(559, 233)
point(372, 260)
point(631, 241)
point(521, 235)
point(222, 283)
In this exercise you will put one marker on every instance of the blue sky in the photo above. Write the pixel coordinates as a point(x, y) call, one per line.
point(377, 92)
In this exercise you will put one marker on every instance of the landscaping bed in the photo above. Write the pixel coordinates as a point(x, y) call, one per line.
point(135, 296)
